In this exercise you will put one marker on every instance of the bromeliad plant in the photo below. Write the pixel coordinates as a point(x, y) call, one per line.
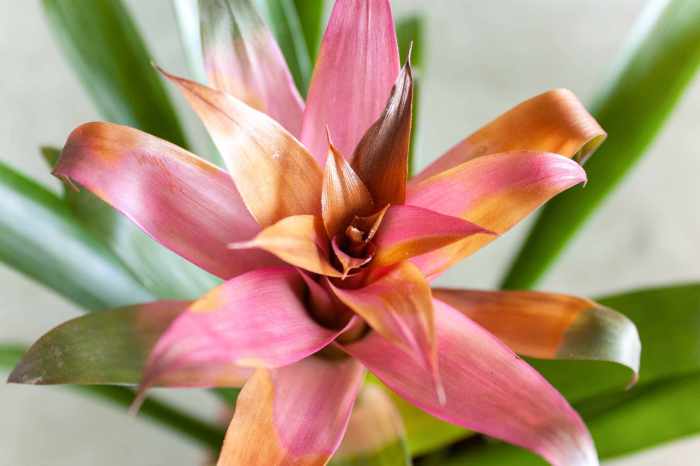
point(327, 247)
point(327, 250)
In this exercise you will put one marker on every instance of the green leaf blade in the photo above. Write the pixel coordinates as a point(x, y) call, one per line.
point(410, 32)
point(658, 66)
point(284, 21)
point(161, 271)
point(40, 238)
point(197, 430)
point(107, 52)
point(311, 18)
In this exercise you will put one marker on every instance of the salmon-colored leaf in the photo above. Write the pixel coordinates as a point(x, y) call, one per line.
point(550, 325)
point(408, 231)
point(344, 194)
point(399, 306)
point(488, 389)
point(273, 172)
point(295, 415)
point(494, 191)
point(555, 121)
point(232, 327)
point(299, 240)
point(182, 201)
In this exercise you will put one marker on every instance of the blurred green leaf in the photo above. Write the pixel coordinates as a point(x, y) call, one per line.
point(187, 16)
point(111, 60)
point(160, 270)
point(101, 348)
point(656, 413)
point(658, 65)
point(410, 30)
point(424, 433)
point(394, 454)
point(661, 407)
point(10, 354)
point(174, 419)
point(668, 321)
point(311, 17)
point(283, 19)
point(40, 238)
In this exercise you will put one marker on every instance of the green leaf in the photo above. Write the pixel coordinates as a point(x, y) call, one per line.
point(658, 65)
point(40, 238)
point(424, 433)
point(108, 347)
point(654, 414)
point(668, 322)
point(10, 355)
point(201, 432)
point(374, 436)
point(164, 273)
point(111, 60)
point(394, 454)
point(311, 17)
point(286, 25)
point(410, 31)
point(187, 15)
point(661, 407)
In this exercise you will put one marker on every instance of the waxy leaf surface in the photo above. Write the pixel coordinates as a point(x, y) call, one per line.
point(355, 70)
point(488, 389)
point(243, 59)
point(182, 201)
point(292, 415)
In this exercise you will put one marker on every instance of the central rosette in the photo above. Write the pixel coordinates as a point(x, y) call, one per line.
point(353, 249)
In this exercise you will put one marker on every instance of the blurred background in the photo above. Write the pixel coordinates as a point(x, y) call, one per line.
point(482, 58)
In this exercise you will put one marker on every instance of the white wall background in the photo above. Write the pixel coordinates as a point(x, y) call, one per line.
point(483, 58)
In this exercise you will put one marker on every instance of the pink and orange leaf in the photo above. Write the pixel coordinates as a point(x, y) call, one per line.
point(328, 250)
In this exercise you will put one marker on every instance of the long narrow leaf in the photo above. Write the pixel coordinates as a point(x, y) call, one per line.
point(659, 63)
point(410, 34)
point(40, 238)
point(111, 60)
point(286, 25)
point(642, 419)
point(311, 17)
point(200, 432)
point(668, 321)
point(161, 271)
point(187, 15)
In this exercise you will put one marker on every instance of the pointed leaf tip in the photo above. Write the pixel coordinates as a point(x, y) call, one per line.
point(255, 147)
point(361, 36)
point(381, 157)
point(344, 195)
point(242, 58)
point(550, 325)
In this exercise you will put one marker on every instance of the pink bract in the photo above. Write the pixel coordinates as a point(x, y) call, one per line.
point(327, 250)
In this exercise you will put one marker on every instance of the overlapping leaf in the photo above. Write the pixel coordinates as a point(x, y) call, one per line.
point(113, 63)
point(658, 409)
point(658, 65)
point(40, 238)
